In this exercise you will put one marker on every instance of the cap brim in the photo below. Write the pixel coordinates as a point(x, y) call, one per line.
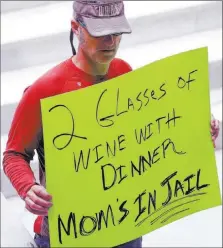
point(104, 26)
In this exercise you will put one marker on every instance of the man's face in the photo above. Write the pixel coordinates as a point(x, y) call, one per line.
point(99, 49)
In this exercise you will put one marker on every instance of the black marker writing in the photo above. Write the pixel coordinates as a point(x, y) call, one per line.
point(86, 225)
point(182, 82)
point(178, 185)
point(125, 211)
point(71, 135)
point(85, 232)
point(198, 186)
point(81, 160)
point(70, 223)
point(141, 209)
point(117, 105)
point(138, 102)
point(146, 161)
point(114, 174)
point(107, 118)
point(149, 129)
point(101, 216)
point(167, 181)
point(98, 152)
point(151, 203)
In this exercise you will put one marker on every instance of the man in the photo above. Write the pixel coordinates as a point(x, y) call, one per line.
point(98, 26)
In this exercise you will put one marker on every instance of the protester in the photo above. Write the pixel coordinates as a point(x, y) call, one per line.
point(98, 26)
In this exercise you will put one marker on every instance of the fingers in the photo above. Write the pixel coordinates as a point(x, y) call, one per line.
point(41, 192)
point(213, 140)
point(38, 201)
point(31, 207)
point(35, 208)
point(215, 128)
point(215, 124)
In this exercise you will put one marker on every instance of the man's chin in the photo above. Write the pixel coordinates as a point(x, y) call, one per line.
point(105, 59)
point(105, 56)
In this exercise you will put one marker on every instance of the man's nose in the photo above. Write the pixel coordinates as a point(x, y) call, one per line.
point(109, 39)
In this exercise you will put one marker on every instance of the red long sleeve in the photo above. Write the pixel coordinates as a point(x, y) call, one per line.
point(22, 140)
point(19, 173)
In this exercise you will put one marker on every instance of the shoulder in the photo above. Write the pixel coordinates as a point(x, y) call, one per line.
point(120, 66)
point(50, 83)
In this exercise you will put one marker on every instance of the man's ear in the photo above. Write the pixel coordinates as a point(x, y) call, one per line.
point(75, 26)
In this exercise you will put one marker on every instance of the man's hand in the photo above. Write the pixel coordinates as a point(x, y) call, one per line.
point(38, 201)
point(214, 130)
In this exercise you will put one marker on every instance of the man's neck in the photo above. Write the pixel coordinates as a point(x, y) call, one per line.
point(92, 68)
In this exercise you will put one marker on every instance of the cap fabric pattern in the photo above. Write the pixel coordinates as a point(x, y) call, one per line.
point(101, 17)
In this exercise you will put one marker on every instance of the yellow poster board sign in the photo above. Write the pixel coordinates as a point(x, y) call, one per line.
point(130, 155)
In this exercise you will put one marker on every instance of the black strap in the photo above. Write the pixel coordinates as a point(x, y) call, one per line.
point(71, 42)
